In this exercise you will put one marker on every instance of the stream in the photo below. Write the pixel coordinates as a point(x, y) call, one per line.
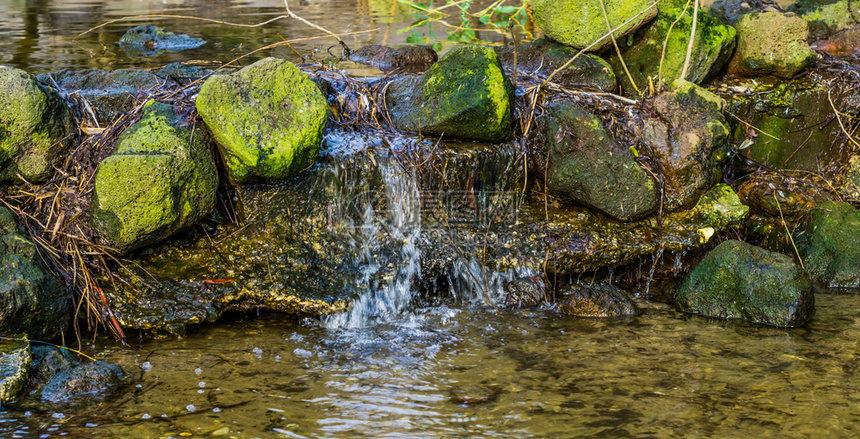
point(401, 364)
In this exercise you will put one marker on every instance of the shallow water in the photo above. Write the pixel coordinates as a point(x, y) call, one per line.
point(661, 374)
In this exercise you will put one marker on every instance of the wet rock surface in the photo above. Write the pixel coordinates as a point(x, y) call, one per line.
point(405, 59)
point(739, 281)
point(771, 44)
point(588, 166)
point(783, 195)
point(149, 40)
point(15, 360)
point(851, 179)
point(826, 17)
point(844, 43)
point(528, 292)
point(161, 178)
point(647, 57)
point(36, 128)
point(582, 299)
point(542, 57)
point(267, 119)
point(830, 248)
point(466, 95)
point(108, 93)
point(731, 11)
point(32, 300)
point(580, 23)
point(57, 378)
point(688, 141)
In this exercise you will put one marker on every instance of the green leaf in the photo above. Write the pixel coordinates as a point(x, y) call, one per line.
point(505, 9)
point(485, 19)
point(437, 47)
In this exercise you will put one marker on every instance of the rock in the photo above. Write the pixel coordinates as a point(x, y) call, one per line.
point(267, 119)
point(842, 44)
point(688, 140)
point(542, 57)
point(149, 40)
point(851, 181)
point(588, 166)
point(787, 116)
point(826, 17)
point(595, 300)
point(783, 194)
point(580, 23)
point(59, 379)
point(36, 128)
point(830, 247)
point(31, 298)
point(108, 93)
point(15, 361)
point(465, 95)
point(731, 11)
point(160, 178)
point(712, 48)
point(740, 281)
point(771, 44)
point(409, 59)
point(527, 292)
point(183, 73)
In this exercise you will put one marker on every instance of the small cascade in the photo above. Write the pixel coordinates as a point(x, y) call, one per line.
point(401, 221)
point(472, 283)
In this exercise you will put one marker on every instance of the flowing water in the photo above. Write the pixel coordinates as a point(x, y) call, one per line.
point(402, 365)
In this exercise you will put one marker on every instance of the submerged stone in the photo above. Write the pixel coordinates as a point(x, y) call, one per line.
point(740, 281)
point(15, 360)
point(60, 379)
point(36, 128)
point(108, 93)
point(160, 178)
point(595, 300)
point(149, 40)
point(466, 95)
point(689, 140)
point(267, 119)
point(542, 57)
point(771, 44)
point(830, 248)
point(580, 23)
point(588, 166)
point(529, 291)
point(410, 58)
point(647, 57)
point(32, 301)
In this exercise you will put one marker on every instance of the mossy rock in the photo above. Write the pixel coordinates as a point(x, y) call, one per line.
point(826, 17)
point(31, 298)
point(689, 141)
point(580, 23)
point(644, 52)
point(771, 44)
point(466, 95)
point(588, 166)
point(36, 128)
point(830, 248)
point(739, 281)
point(161, 178)
point(595, 300)
point(149, 40)
point(15, 360)
point(542, 57)
point(268, 120)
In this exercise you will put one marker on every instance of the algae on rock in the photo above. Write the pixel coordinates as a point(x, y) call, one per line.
point(466, 95)
point(36, 128)
point(161, 178)
point(771, 44)
point(580, 23)
point(830, 248)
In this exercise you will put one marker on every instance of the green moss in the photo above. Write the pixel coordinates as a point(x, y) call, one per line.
point(267, 119)
point(579, 23)
point(830, 248)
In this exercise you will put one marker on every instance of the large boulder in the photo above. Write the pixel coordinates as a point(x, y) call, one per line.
point(771, 44)
point(739, 281)
point(580, 23)
point(32, 300)
point(160, 179)
point(36, 128)
point(830, 248)
point(107, 93)
point(647, 58)
point(542, 57)
point(688, 141)
point(465, 95)
point(268, 120)
point(588, 166)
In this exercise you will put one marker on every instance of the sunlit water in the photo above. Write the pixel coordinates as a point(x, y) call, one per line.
point(397, 368)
